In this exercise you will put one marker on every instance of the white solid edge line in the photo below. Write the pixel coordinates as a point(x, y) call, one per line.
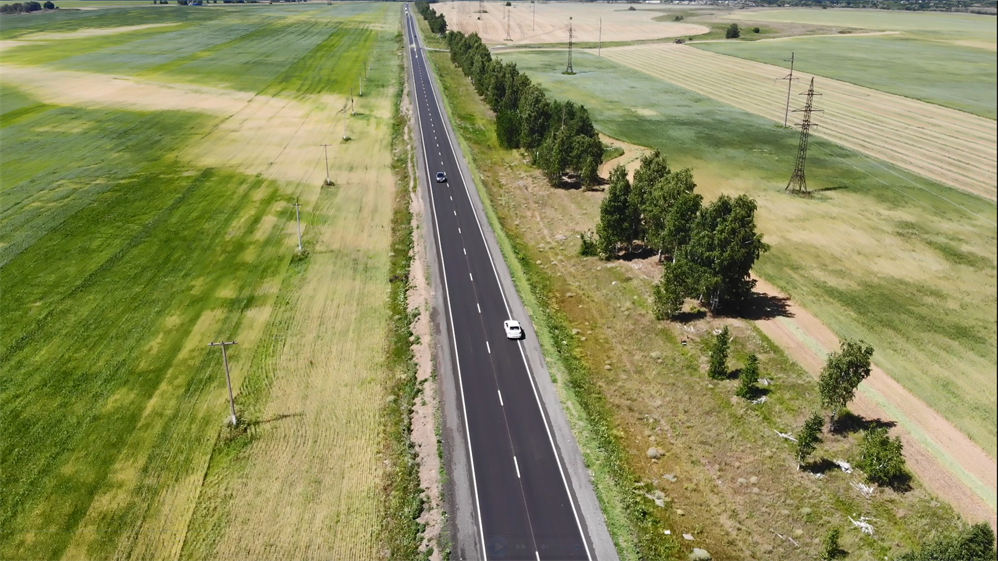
point(533, 384)
point(464, 407)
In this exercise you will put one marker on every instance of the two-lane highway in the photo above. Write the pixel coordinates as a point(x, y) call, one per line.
point(524, 504)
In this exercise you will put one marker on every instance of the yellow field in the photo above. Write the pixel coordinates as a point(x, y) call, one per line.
point(548, 23)
point(949, 146)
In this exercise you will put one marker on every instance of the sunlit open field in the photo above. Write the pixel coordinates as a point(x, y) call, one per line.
point(152, 158)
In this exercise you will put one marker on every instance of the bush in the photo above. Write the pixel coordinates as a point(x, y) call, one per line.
point(718, 369)
point(749, 378)
point(831, 550)
point(756, 30)
point(732, 32)
point(976, 543)
point(882, 457)
point(587, 245)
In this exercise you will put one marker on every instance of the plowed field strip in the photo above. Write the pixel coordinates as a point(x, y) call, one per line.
point(946, 145)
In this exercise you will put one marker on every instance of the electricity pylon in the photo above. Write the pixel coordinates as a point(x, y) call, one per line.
point(798, 183)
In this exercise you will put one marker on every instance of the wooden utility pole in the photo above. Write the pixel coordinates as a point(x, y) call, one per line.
point(790, 81)
point(228, 378)
point(298, 219)
point(325, 150)
point(569, 69)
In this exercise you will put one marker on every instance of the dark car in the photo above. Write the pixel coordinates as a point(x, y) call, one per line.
point(441, 177)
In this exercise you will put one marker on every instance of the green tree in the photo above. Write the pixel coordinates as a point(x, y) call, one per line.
point(590, 174)
point(48, 5)
point(653, 169)
point(830, 549)
point(842, 374)
point(882, 457)
point(718, 369)
point(508, 129)
point(616, 216)
point(722, 248)
point(732, 32)
point(976, 543)
point(749, 378)
point(668, 294)
point(808, 438)
point(756, 30)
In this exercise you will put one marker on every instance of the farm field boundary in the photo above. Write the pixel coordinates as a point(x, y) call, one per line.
point(942, 144)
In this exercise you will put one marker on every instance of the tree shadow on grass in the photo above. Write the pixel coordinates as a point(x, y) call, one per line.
point(819, 466)
point(849, 423)
point(762, 306)
point(687, 317)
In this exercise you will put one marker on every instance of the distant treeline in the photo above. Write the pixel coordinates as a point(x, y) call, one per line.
point(436, 21)
point(25, 7)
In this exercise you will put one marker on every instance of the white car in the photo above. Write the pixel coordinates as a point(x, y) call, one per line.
point(441, 177)
point(513, 330)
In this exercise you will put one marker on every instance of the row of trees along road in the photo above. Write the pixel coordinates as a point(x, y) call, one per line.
point(436, 21)
point(559, 136)
point(711, 248)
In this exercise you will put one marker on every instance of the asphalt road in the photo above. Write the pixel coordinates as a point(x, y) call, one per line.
point(524, 506)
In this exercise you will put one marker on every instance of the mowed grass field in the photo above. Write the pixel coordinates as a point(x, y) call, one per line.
point(949, 146)
point(147, 210)
point(877, 253)
point(956, 73)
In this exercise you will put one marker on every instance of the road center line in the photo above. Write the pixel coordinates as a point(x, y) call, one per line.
point(479, 307)
point(487, 347)
point(471, 277)
point(517, 464)
point(500, 398)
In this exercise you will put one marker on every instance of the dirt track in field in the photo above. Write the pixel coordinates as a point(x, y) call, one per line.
point(947, 462)
point(945, 145)
point(550, 22)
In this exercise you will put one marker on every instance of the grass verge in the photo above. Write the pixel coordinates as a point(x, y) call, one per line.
point(400, 530)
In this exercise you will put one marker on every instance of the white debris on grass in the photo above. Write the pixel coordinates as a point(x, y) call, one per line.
point(786, 435)
point(759, 401)
point(843, 465)
point(863, 524)
point(764, 381)
point(864, 489)
point(785, 538)
point(688, 537)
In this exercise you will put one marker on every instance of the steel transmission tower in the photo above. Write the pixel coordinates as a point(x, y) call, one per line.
point(569, 69)
point(798, 183)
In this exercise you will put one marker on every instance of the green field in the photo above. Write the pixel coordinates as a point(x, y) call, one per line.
point(877, 253)
point(135, 230)
point(944, 73)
